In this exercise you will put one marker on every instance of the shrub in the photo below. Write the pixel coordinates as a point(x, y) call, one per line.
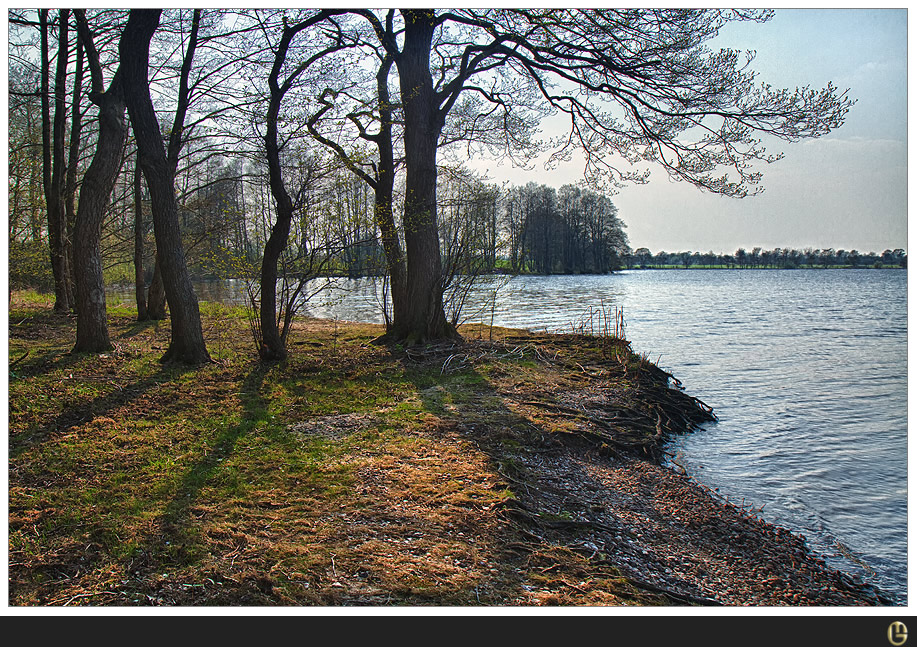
point(30, 266)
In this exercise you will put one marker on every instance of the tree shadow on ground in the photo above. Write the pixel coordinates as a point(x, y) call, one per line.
point(254, 410)
point(80, 413)
point(547, 531)
point(54, 327)
point(28, 365)
point(171, 540)
point(138, 327)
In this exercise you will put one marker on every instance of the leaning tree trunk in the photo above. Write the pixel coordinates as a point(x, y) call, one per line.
point(273, 347)
point(187, 345)
point(273, 344)
point(424, 319)
point(95, 194)
point(155, 301)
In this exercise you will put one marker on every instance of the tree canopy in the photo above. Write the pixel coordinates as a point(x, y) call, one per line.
point(257, 110)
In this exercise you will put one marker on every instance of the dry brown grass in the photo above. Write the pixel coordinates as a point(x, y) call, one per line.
point(514, 469)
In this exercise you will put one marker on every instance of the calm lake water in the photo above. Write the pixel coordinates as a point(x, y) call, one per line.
point(806, 370)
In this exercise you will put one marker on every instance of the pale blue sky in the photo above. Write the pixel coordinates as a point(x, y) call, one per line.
point(847, 190)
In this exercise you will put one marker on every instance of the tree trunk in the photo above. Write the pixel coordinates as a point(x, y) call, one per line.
point(57, 213)
point(45, 90)
point(273, 344)
point(424, 318)
point(187, 344)
point(383, 185)
point(156, 296)
point(53, 145)
point(155, 303)
point(385, 220)
point(384, 191)
point(139, 283)
point(76, 127)
point(95, 193)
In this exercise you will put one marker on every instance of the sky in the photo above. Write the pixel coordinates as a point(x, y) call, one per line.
point(845, 190)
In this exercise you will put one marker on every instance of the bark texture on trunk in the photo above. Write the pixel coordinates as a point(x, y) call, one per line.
point(155, 301)
point(187, 344)
point(424, 318)
point(95, 194)
point(273, 343)
point(156, 296)
point(272, 346)
point(384, 191)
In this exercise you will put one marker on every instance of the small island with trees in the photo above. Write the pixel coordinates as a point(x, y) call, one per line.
point(172, 451)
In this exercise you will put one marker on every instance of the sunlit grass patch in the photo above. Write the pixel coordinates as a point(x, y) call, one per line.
point(351, 473)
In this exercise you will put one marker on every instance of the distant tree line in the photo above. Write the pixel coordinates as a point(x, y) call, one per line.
point(759, 258)
point(565, 231)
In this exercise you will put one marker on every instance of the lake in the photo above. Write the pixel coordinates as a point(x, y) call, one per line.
point(805, 369)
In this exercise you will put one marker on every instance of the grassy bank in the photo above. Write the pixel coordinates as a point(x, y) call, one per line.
point(515, 469)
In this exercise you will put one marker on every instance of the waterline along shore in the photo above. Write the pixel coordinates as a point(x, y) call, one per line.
point(514, 469)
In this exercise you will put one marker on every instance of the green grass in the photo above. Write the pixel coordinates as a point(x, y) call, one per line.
point(137, 483)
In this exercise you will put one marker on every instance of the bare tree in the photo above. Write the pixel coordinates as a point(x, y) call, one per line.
point(53, 140)
point(379, 174)
point(154, 303)
point(637, 85)
point(426, 319)
point(273, 342)
point(73, 162)
point(187, 343)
